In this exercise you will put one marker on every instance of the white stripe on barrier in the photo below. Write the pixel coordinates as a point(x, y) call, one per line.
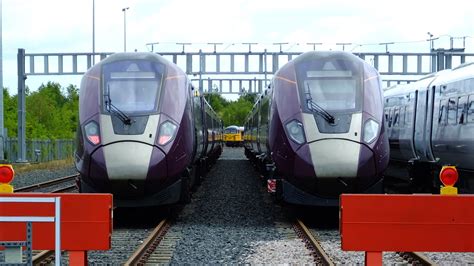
point(56, 219)
point(27, 199)
point(26, 219)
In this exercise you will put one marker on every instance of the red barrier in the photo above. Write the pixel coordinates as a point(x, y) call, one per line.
point(86, 222)
point(435, 223)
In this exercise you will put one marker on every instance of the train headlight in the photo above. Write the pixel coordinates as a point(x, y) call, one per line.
point(295, 131)
point(167, 131)
point(370, 130)
point(92, 132)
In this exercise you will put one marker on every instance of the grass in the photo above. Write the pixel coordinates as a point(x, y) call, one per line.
point(52, 165)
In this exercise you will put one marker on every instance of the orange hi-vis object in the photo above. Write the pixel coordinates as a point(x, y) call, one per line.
point(85, 222)
point(448, 176)
point(7, 175)
point(432, 223)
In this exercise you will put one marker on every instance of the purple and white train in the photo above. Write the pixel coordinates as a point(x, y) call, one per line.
point(144, 134)
point(318, 130)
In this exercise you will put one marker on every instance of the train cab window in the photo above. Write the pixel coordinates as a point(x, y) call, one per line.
point(443, 112)
point(462, 110)
point(470, 109)
point(132, 86)
point(452, 111)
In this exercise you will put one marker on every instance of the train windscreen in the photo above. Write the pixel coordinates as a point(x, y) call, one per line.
point(231, 131)
point(330, 84)
point(132, 86)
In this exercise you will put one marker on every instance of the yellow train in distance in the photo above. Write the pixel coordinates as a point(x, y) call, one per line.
point(233, 136)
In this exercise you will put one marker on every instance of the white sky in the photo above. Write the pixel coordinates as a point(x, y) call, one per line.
point(57, 26)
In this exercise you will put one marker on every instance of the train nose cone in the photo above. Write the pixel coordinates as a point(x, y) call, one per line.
point(335, 158)
point(127, 166)
point(127, 160)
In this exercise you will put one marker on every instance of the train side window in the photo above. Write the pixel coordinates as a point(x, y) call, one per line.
point(462, 110)
point(470, 109)
point(408, 115)
point(443, 112)
point(452, 111)
point(402, 116)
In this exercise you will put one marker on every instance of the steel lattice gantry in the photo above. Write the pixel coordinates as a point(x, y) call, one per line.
point(229, 72)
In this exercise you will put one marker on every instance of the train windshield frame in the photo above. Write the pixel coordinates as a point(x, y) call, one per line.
point(334, 85)
point(231, 130)
point(132, 86)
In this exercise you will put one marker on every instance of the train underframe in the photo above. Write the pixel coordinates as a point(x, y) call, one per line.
point(287, 189)
point(423, 176)
point(178, 191)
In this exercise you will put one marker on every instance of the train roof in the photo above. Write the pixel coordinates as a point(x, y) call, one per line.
point(421, 84)
point(462, 72)
point(232, 126)
point(138, 55)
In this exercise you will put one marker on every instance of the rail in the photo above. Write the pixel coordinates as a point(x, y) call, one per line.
point(314, 243)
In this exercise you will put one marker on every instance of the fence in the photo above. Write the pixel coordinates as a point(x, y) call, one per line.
point(40, 150)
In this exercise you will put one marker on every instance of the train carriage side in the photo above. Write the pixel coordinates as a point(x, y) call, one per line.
point(452, 134)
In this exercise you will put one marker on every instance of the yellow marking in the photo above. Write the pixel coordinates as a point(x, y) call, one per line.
point(175, 77)
point(448, 190)
point(92, 77)
point(373, 77)
point(287, 80)
point(6, 188)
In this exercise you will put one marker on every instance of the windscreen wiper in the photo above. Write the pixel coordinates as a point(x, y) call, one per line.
point(114, 110)
point(314, 107)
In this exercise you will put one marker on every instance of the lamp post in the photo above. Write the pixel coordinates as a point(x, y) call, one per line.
point(430, 40)
point(1, 87)
point(125, 28)
point(431, 50)
point(93, 32)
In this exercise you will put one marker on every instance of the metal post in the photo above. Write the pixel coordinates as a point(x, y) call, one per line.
point(265, 62)
point(125, 28)
point(281, 44)
point(215, 44)
point(183, 44)
point(201, 58)
point(21, 107)
point(386, 45)
point(250, 45)
point(57, 229)
point(314, 44)
point(2, 138)
point(344, 45)
point(93, 32)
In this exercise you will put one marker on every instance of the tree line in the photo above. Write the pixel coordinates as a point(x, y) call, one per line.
point(52, 112)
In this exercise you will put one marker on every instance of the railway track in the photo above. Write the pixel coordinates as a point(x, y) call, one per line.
point(146, 253)
point(317, 246)
point(320, 256)
point(55, 185)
